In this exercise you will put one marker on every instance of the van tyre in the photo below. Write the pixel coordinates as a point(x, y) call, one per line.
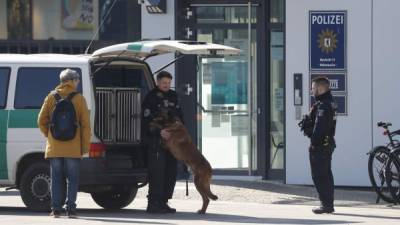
point(35, 187)
point(116, 198)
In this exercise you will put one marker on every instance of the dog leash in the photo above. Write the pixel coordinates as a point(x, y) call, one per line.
point(187, 187)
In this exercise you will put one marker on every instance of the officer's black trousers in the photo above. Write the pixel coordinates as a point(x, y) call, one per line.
point(162, 168)
point(320, 161)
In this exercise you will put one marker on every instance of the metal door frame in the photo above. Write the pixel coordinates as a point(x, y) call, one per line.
point(262, 72)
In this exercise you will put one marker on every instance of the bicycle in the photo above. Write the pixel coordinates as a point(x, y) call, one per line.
point(384, 167)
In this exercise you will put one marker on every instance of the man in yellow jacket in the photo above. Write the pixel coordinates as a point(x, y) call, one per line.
point(64, 156)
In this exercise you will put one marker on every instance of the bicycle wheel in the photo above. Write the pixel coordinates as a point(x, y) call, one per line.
point(376, 170)
point(392, 177)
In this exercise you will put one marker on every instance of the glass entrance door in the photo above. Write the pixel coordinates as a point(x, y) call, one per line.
point(227, 88)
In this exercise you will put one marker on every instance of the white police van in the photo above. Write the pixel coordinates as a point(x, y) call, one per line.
point(114, 81)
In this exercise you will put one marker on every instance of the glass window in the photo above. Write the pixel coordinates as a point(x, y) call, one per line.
point(19, 19)
point(64, 19)
point(277, 39)
point(225, 15)
point(277, 100)
point(277, 11)
point(115, 27)
point(34, 84)
point(4, 78)
point(3, 19)
point(237, 38)
point(223, 89)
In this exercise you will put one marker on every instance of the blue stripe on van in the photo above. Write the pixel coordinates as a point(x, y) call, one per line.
point(3, 144)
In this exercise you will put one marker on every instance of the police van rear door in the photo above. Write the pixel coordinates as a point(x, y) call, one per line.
point(113, 98)
point(146, 49)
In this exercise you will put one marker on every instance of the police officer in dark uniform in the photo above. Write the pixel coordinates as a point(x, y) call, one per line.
point(162, 166)
point(320, 128)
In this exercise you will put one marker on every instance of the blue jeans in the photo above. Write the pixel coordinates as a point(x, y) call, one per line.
point(64, 170)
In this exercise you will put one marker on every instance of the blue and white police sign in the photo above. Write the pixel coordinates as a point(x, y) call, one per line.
point(327, 40)
point(337, 81)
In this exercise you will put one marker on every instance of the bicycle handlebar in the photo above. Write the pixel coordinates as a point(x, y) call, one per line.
point(384, 124)
point(389, 134)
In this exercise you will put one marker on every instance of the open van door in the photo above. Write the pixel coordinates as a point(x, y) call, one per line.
point(146, 49)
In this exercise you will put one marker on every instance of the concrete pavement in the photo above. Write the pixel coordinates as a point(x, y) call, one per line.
point(235, 210)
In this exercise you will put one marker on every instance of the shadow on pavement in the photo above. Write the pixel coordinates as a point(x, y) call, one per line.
point(9, 193)
point(138, 217)
point(23, 211)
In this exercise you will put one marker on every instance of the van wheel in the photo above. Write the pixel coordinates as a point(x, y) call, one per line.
point(35, 187)
point(116, 198)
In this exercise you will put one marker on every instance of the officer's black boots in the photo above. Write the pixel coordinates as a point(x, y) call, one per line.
point(159, 207)
point(322, 209)
point(169, 209)
point(156, 207)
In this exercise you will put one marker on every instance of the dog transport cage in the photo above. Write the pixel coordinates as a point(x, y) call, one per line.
point(118, 115)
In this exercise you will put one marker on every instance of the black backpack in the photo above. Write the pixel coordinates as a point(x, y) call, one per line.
point(63, 124)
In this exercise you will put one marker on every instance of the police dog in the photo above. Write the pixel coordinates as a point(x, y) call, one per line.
point(177, 139)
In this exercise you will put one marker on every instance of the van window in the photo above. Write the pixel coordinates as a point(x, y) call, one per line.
point(4, 78)
point(35, 83)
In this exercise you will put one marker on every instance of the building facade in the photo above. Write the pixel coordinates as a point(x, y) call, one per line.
point(242, 111)
point(354, 43)
point(66, 26)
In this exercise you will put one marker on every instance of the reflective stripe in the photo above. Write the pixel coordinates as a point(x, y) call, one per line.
point(135, 47)
point(3, 144)
point(23, 118)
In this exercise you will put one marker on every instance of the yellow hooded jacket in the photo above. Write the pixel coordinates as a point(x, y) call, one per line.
point(76, 147)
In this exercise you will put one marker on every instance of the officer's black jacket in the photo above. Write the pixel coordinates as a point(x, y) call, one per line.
point(157, 100)
point(323, 114)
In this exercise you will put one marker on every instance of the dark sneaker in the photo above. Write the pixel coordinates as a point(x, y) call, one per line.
point(169, 209)
point(321, 210)
point(156, 208)
point(55, 214)
point(72, 214)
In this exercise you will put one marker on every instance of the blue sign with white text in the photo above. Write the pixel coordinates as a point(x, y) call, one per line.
point(327, 40)
point(337, 81)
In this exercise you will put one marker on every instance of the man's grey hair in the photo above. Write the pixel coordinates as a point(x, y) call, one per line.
point(68, 74)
